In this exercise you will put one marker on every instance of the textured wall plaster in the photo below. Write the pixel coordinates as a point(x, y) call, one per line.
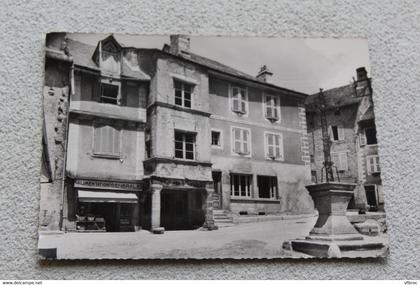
point(392, 28)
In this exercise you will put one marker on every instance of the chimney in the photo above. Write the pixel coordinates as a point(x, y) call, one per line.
point(264, 74)
point(180, 45)
point(361, 74)
point(362, 84)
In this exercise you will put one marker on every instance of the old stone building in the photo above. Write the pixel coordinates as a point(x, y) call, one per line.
point(354, 150)
point(159, 138)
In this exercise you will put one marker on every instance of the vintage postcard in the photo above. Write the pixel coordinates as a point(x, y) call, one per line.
point(168, 147)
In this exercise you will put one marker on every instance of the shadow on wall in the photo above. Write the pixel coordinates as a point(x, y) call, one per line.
point(298, 200)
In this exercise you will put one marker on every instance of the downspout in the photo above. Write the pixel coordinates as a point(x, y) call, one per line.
point(63, 184)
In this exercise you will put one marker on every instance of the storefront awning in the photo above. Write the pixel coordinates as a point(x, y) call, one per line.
point(106, 197)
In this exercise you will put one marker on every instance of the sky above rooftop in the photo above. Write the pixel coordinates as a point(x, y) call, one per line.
point(303, 65)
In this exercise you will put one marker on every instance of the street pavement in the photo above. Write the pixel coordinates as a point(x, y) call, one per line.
point(248, 240)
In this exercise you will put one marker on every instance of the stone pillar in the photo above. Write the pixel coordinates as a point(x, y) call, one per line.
point(155, 214)
point(209, 221)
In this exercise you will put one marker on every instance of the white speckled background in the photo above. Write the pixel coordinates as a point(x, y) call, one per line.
point(393, 30)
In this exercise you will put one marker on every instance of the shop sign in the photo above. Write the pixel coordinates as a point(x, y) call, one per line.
point(111, 185)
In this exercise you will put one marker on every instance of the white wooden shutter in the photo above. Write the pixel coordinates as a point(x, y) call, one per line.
point(369, 164)
point(343, 161)
point(270, 145)
point(362, 138)
point(245, 137)
point(330, 133)
point(335, 158)
point(236, 140)
point(340, 133)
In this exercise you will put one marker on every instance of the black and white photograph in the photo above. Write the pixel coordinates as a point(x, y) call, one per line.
point(205, 147)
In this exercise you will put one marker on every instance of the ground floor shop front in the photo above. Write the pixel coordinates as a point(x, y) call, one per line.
point(111, 206)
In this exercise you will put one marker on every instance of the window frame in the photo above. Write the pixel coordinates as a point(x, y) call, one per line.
point(96, 125)
point(249, 190)
point(340, 155)
point(280, 146)
point(117, 98)
point(276, 107)
point(220, 146)
point(377, 165)
point(366, 137)
point(340, 133)
point(245, 101)
point(183, 84)
point(249, 142)
point(274, 187)
point(184, 143)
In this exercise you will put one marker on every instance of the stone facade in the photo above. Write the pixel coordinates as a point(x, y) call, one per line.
point(350, 112)
point(141, 122)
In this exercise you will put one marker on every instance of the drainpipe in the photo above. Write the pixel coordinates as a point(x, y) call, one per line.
point(63, 186)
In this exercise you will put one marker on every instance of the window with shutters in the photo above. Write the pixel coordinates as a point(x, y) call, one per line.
point(184, 145)
point(274, 146)
point(340, 160)
point(271, 108)
point(336, 133)
point(106, 140)
point(240, 185)
point(267, 187)
point(239, 100)
point(372, 164)
point(241, 141)
point(183, 94)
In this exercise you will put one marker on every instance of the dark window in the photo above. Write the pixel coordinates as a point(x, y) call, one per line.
point(183, 93)
point(148, 149)
point(267, 187)
point(313, 176)
point(109, 94)
point(184, 145)
point(215, 138)
point(371, 136)
point(371, 195)
point(335, 132)
point(240, 185)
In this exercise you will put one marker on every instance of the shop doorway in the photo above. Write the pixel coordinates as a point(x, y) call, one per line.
point(110, 217)
point(182, 209)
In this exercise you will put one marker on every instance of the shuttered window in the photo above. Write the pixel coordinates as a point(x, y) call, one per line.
point(239, 100)
point(372, 164)
point(272, 107)
point(274, 146)
point(241, 140)
point(106, 140)
point(336, 133)
point(340, 160)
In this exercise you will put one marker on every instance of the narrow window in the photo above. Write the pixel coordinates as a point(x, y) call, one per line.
point(371, 136)
point(183, 93)
point(336, 133)
point(241, 141)
point(109, 93)
point(239, 100)
point(271, 108)
point(106, 140)
point(372, 164)
point(274, 146)
point(184, 145)
point(267, 187)
point(216, 138)
point(240, 185)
